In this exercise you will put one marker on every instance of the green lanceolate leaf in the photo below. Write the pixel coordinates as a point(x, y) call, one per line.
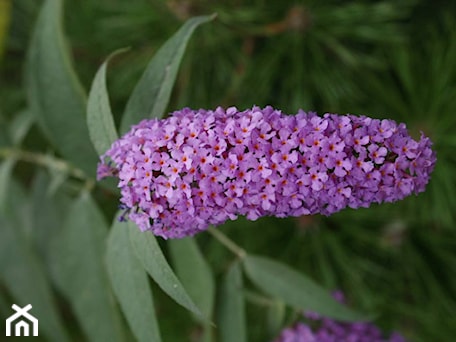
point(22, 273)
point(151, 94)
point(99, 115)
point(80, 273)
point(151, 256)
point(194, 273)
point(131, 284)
point(295, 289)
point(231, 316)
point(55, 95)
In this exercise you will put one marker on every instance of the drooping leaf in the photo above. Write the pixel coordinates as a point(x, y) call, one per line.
point(231, 316)
point(150, 97)
point(55, 94)
point(194, 272)
point(295, 289)
point(99, 115)
point(154, 262)
point(131, 284)
point(22, 273)
point(80, 273)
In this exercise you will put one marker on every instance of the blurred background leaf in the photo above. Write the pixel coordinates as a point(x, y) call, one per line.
point(384, 59)
point(5, 15)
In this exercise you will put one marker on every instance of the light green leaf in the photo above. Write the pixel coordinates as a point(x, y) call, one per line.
point(99, 115)
point(275, 317)
point(151, 95)
point(55, 94)
point(79, 271)
point(22, 273)
point(151, 256)
point(295, 289)
point(231, 315)
point(131, 284)
point(194, 273)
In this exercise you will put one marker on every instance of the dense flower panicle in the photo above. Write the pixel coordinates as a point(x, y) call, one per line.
point(332, 331)
point(327, 330)
point(201, 167)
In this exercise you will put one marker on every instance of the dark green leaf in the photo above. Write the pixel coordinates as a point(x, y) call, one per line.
point(151, 256)
point(231, 315)
point(55, 95)
point(295, 289)
point(194, 273)
point(99, 115)
point(80, 273)
point(151, 94)
point(131, 284)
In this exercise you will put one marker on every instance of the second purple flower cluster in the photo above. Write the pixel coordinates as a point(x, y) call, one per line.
point(322, 329)
point(201, 167)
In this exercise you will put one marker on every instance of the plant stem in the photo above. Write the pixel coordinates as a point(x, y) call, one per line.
point(44, 160)
point(227, 242)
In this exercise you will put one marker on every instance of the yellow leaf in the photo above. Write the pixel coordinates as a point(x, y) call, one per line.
point(5, 10)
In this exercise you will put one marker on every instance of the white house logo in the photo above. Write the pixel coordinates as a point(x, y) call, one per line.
point(21, 322)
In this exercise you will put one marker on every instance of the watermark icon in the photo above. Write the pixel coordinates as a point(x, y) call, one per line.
point(21, 321)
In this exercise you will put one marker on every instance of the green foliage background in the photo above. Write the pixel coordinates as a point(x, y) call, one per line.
point(386, 59)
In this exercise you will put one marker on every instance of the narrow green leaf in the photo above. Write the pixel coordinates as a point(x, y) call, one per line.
point(131, 284)
point(231, 315)
point(20, 126)
point(80, 274)
point(151, 94)
point(151, 256)
point(55, 94)
point(22, 273)
point(194, 273)
point(295, 289)
point(6, 168)
point(99, 115)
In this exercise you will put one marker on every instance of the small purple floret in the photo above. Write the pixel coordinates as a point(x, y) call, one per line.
point(201, 167)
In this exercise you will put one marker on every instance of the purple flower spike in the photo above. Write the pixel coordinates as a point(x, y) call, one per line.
point(201, 167)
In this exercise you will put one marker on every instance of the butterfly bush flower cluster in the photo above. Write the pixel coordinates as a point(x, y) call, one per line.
point(201, 167)
point(327, 330)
